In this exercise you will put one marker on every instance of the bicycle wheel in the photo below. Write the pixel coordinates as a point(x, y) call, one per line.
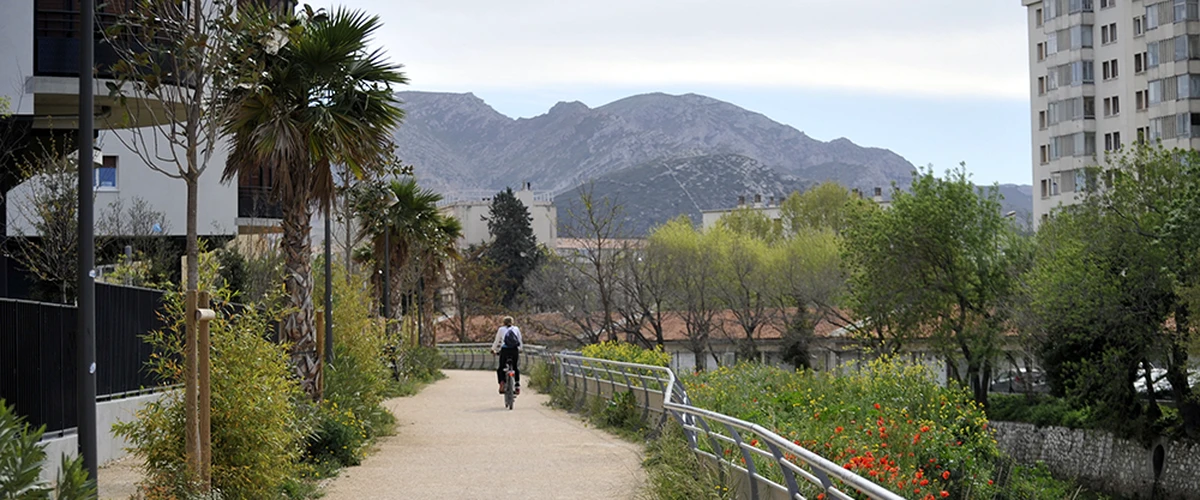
point(509, 397)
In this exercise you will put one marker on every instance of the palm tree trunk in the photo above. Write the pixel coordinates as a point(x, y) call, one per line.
point(298, 284)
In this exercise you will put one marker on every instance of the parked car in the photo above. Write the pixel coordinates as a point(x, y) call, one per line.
point(1019, 380)
point(1159, 376)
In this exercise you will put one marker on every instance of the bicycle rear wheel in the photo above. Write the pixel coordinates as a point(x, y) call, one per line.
point(509, 397)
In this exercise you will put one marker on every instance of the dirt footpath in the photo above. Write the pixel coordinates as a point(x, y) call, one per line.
point(456, 440)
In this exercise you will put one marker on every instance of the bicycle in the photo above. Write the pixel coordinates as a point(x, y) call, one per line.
point(509, 383)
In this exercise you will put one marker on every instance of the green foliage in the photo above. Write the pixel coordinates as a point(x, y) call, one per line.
point(941, 263)
point(890, 422)
point(514, 248)
point(541, 376)
point(1113, 288)
point(421, 364)
point(73, 482)
point(674, 473)
point(826, 206)
point(20, 458)
point(750, 222)
point(628, 353)
point(1039, 410)
point(258, 429)
point(622, 412)
point(357, 382)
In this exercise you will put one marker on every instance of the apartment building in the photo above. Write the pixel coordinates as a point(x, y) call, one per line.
point(39, 45)
point(1105, 74)
point(473, 210)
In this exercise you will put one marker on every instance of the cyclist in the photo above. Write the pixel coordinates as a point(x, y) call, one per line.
point(508, 345)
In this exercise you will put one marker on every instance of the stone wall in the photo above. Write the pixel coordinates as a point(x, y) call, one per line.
point(1165, 470)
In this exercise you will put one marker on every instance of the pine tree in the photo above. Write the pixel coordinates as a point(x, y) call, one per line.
point(513, 248)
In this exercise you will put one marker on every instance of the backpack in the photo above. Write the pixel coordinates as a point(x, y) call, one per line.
point(510, 339)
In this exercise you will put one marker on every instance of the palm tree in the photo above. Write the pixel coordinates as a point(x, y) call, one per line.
point(440, 246)
point(310, 95)
point(410, 220)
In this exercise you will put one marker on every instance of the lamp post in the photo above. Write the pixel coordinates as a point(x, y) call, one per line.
point(85, 377)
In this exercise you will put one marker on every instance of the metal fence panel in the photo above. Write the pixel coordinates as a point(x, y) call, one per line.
point(37, 352)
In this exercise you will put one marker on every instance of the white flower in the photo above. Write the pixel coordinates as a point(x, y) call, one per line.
point(275, 40)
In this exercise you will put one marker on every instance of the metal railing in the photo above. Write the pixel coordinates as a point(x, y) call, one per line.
point(479, 356)
point(771, 465)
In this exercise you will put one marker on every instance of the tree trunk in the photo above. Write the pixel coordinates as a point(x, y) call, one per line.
point(192, 281)
point(298, 285)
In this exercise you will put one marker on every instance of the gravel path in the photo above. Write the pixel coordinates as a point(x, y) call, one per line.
point(456, 440)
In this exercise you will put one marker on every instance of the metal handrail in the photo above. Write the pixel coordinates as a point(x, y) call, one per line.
point(478, 356)
point(789, 458)
point(702, 428)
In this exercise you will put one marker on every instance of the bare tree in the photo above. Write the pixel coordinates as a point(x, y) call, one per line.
point(558, 286)
point(47, 214)
point(642, 293)
point(474, 289)
point(175, 54)
point(597, 224)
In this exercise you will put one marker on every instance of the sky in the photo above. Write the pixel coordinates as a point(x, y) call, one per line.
point(938, 81)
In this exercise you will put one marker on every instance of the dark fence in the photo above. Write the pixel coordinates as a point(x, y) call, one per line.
point(37, 352)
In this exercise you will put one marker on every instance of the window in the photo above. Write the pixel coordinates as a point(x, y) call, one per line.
point(1112, 141)
point(1141, 100)
point(1078, 108)
point(1054, 186)
point(1142, 134)
point(1041, 120)
point(1109, 69)
point(1159, 14)
point(1045, 154)
point(105, 176)
point(1041, 85)
point(1187, 10)
point(1139, 63)
point(1104, 4)
point(1077, 144)
point(1108, 33)
point(1139, 26)
point(1037, 18)
point(1041, 51)
point(1112, 106)
point(1045, 188)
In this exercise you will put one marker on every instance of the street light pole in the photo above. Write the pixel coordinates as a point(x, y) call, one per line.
point(387, 272)
point(85, 377)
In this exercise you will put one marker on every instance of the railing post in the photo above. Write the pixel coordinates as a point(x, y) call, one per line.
point(747, 457)
point(788, 476)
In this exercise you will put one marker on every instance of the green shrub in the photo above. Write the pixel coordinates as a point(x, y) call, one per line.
point(421, 364)
point(258, 429)
point(358, 379)
point(628, 353)
point(21, 458)
point(1040, 410)
point(674, 473)
point(340, 436)
point(541, 376)
point(622, 412)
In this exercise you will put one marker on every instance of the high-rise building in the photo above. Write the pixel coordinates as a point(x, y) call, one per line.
point(1105, 74)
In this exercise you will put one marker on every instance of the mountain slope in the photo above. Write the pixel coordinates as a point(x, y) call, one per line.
point(457, 142)
point(655, 192)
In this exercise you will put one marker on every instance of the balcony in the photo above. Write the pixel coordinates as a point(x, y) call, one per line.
point(255, 202)
point(56, 43)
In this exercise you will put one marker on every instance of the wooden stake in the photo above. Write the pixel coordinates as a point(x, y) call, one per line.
point(205, 399)
point(191, 423)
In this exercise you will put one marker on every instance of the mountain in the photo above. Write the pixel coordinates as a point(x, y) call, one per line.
point(655, 192)
point(458, 143)
point(1018, 198)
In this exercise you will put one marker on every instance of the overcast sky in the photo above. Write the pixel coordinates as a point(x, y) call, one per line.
point(937, 81)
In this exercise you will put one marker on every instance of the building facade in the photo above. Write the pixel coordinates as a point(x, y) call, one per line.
point(1105, 74)
point(39, 44)
point(473, 212)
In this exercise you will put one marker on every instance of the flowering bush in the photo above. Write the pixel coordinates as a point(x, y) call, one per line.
point(890, 422)
point(629, 353)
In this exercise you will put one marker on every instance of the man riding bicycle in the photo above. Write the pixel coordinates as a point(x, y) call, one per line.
point(508, 345)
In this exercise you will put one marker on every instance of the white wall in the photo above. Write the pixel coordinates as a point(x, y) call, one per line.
point(473, 215)
point(108, 446)
point(216, 207)
point(16, 53)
